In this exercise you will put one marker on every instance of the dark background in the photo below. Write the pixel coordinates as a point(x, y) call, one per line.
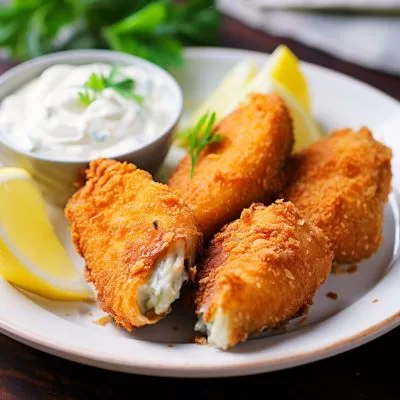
point(369, 372)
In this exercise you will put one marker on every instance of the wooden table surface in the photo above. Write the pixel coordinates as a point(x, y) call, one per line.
point(363, 373)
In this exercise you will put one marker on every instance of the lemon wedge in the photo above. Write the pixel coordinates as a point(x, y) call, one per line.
point(31, 256)
point(306, 130)
point(285, 71)
point(232, 84)
point(289, 82)
point(282, 74)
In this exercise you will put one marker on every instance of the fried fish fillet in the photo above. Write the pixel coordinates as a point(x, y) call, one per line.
point(259, 271)
point(341, 183)
point(244, 168)
point(138, 240)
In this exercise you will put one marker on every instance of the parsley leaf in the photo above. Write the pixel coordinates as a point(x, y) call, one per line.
point(201, 136)
point(33, 26)
point(86, 98)
point(113, 74)
point(157, 31)
point(96, 83)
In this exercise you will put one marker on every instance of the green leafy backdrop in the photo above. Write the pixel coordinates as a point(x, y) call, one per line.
point(155, 30)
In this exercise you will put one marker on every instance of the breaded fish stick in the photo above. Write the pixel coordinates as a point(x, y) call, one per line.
point(341, 183)
point(138, 240)
point(244, 168)
point(259, 271)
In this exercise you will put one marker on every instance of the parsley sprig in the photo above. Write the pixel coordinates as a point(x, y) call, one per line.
point(97, 83)
point(201, 136)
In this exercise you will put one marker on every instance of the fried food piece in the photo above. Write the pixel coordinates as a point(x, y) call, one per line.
point(259, 271)
point(341, 183)
point(245, 167)
point(138, 240)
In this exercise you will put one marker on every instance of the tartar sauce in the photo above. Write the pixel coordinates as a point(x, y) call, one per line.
point(48, 117)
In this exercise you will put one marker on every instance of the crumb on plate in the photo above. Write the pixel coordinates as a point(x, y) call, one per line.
point(352, 268)
point(343, 269)
point(332, 295)
point(198, 339)
point(102, 321)
point(302, 321)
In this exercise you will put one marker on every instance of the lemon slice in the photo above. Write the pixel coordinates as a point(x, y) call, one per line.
point(31, 256)
point(232, 84)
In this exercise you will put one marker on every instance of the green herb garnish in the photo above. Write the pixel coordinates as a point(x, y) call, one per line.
point(97, 83)
point(155, 30)
point(200, 136)
point(86, 98)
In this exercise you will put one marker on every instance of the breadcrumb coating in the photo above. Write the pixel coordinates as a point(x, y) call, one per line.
point(122, 223)
point(262, 269)
point(341, 183)
point(245, 167)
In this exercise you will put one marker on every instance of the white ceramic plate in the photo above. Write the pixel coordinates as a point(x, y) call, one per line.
point(368, 303)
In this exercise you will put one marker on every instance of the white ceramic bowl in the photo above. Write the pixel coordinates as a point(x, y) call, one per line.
point(56, 177)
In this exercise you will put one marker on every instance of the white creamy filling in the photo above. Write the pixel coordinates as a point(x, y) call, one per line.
point(164, 286)
point(217, 330)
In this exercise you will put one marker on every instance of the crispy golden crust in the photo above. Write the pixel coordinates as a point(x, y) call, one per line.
point(262, 269)
point(341, 183)
point(122, 222)
point(244, 168)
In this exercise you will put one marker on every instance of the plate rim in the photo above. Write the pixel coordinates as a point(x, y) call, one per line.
point(205, 371)
point(247, 367)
